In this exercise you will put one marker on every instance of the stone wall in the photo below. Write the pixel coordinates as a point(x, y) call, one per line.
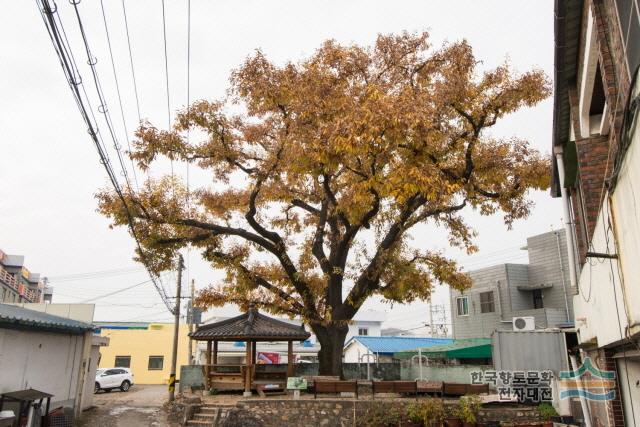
point(342, 412)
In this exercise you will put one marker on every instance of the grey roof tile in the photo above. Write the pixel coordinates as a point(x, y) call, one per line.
point(251, 325)
point(12, 316)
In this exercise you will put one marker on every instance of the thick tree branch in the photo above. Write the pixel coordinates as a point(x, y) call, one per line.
point(304, 205)
point(318, 241)
point(262, 282)
point(369, 279)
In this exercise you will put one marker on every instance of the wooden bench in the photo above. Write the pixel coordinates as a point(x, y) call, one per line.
point(400, 387)
point(431, 387)
point(311, 380)
point(335, 387)
point(456, 389)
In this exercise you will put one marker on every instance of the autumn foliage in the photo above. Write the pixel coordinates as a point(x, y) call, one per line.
point(321, 168)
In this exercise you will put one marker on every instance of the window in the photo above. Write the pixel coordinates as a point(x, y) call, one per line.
point(363, 331)
point(123, 361)
point(629, 19)
point(463, 306)
point(486, 302)
point(111, 372)
point(537, 299)
point(155, 363)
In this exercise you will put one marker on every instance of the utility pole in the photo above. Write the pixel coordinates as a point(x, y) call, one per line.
point(190, 318)
point(431, 325)
point(176, 312)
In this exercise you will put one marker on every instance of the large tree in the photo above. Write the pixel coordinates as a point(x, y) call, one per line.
point(320, 170)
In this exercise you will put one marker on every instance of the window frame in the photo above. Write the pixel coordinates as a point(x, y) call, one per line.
point(492, 302)
point(161, 357)
point(534, 296)
point(115, 362)
point(366, 332)
point(466, 305)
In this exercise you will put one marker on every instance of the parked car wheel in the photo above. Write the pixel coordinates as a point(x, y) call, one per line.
point(96, 388)
point(125, 386)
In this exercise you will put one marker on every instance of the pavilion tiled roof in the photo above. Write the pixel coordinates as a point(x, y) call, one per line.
point(251, 325)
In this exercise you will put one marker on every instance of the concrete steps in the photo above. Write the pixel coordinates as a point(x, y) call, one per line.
point(208, 415)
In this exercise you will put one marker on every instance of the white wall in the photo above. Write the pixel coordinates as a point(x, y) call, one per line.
point(354, 351)
point(629, 376)
point(374, 328)
point(44, 361)
point(626, 217)
point(600, 291)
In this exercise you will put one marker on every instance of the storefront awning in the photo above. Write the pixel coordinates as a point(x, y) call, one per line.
point(472, 348)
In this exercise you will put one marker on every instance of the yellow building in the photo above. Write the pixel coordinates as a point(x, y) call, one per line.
point(143, 347)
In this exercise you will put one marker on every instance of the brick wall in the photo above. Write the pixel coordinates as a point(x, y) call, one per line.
point(616, 412)
point(593, 156)
point(596, 154)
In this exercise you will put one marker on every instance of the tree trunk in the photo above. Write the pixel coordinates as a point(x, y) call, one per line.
point(331, 339)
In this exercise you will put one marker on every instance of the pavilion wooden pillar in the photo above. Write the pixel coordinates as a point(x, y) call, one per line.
point(207, 366)
point(254, 346)
point(215, 354)
point(248, 370)
point(290, 372)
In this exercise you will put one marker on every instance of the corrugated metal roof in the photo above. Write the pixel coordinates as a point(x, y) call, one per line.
point(21, 318)
point(251, 325)
point(396, 344)
point(468, 348)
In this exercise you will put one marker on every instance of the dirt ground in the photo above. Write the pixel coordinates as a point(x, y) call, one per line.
point(140, 406)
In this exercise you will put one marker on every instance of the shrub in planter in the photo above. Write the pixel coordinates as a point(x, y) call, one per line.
point(451, 418)
point(427, 412)
point(468, 408)
point(547, 413)
point(380, 416)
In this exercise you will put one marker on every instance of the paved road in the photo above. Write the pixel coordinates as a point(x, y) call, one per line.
point(140, 406)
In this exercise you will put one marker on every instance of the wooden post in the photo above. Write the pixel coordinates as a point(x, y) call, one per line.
point(290, 372)
point(254, 345)
point(207, 367)
point(248, 368)
point(215, 355)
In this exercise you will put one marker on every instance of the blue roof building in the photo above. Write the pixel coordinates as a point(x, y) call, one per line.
point(381, 349)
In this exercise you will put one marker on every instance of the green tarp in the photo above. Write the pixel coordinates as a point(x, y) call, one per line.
point(472, 348)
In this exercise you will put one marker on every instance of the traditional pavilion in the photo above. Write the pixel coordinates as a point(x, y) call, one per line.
point(249, 328)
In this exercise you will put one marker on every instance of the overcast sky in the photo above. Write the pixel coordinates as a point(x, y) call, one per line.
point(49, 169)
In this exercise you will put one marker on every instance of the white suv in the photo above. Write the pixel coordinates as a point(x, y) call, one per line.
point(108, 379)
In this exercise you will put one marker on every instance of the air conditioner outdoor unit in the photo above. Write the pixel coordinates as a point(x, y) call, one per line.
point(527, 323)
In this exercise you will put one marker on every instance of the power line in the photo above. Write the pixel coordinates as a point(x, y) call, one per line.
point(115, 77)
point(72, 277)
point(115, 292)
point(166, 74)
point(133, 72)
point(70, 69)
point(102, 108)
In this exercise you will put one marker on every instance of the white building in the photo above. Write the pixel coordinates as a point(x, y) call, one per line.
point(54, 354)
point(596, 172)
